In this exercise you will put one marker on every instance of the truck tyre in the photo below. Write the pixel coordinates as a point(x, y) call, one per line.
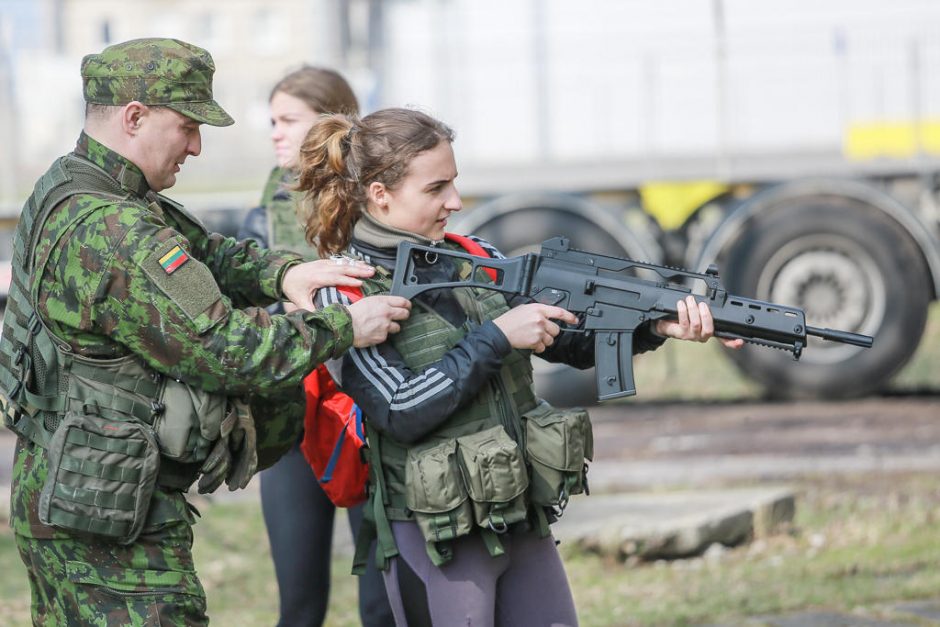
point(522, 231)
point(849, 267)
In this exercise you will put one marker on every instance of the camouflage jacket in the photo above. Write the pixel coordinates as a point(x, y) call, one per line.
point(100, 293)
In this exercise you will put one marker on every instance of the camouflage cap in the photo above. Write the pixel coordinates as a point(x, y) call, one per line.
point(165, 72)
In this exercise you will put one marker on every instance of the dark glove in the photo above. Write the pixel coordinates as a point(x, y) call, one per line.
point(216, 467)
point(238, 429)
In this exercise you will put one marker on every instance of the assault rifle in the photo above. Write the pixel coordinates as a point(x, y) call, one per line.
point(612, 298)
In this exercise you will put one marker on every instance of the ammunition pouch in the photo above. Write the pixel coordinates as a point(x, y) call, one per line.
point(558, 441)
point(478, 479)
point(102, 474)
point(494, 472)
point(435, 492)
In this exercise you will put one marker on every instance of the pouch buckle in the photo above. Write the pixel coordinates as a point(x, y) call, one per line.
point(501, 528)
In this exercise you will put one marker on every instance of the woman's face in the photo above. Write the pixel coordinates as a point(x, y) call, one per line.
point(424, 199)
point(291, 118)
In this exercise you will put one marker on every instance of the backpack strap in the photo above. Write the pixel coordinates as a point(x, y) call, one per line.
point(375, 524)
point(471, 247)
point(352, 293)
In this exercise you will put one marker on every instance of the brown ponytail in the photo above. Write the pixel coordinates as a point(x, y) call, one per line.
point(333, 196)
point(342, 155)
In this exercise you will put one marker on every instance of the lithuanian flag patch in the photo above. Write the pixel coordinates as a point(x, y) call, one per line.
point(172, 261)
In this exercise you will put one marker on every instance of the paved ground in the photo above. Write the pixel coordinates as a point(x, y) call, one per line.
point(638, 446)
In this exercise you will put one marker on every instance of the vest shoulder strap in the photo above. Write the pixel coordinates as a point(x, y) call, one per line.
point(181, 214)
point(68, 176)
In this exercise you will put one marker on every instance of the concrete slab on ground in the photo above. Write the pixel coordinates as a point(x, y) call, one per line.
point(667, 525)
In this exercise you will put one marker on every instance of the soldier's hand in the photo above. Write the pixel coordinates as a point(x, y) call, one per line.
point(374, 317)
point(302, 281)
point(530, 326)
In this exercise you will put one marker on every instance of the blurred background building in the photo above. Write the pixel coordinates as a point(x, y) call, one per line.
point(521, 82)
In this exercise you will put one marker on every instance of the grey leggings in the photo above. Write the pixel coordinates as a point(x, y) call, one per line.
point(525, 586)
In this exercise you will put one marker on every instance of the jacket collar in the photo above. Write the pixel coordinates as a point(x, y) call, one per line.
point(128, 175)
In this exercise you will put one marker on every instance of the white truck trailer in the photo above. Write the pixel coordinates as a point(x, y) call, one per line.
point(794, 144)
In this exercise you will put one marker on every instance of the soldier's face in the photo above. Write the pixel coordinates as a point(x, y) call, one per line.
point(424, 199)
point(291, 118)
point(165, 139)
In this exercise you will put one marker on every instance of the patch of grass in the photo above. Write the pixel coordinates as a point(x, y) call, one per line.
point(14, 588)
point(922, 373)
point(856, 542)
point(691, 372)
point(234, 563)
point(849, 549)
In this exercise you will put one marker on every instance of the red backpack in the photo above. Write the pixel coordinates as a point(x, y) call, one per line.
point(333, 433)
point(333, 440)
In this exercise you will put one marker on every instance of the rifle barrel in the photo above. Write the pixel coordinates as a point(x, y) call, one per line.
point(846, 337)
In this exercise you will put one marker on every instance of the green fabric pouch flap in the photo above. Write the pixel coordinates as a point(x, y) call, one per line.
point(435, 492)
point(190, 422)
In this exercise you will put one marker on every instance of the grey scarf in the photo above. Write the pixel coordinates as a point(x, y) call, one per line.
point(372, 232)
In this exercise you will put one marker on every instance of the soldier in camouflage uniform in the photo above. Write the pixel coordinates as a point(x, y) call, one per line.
point(130, 335)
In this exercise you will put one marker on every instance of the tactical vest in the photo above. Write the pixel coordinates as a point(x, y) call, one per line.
point(474, 470)
point(143, 426)
point(284, 228)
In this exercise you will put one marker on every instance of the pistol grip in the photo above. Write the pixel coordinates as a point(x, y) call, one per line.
point(613, 363)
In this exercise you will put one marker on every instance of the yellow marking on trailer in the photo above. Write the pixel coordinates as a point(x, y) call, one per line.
point(891, 139)
point(672, 202)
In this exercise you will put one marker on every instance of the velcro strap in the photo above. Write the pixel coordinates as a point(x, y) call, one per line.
point(541, 522)
point(133, 448)
point(44, 403)
point(491, 540)
point(20, 334)
point(93, 469)
point(444, 526)
point(144, 386)
point(19, 243)
point(141, 410)
point(7, 383)
point(32, 428)
point(116, 528)
point(96, 498)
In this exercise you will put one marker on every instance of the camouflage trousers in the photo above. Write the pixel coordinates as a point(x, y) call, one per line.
point(90, 582)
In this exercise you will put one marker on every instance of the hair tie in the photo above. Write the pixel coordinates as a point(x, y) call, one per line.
point(348, 136)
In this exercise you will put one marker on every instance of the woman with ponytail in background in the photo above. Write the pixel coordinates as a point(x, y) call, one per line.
point(298, 515)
